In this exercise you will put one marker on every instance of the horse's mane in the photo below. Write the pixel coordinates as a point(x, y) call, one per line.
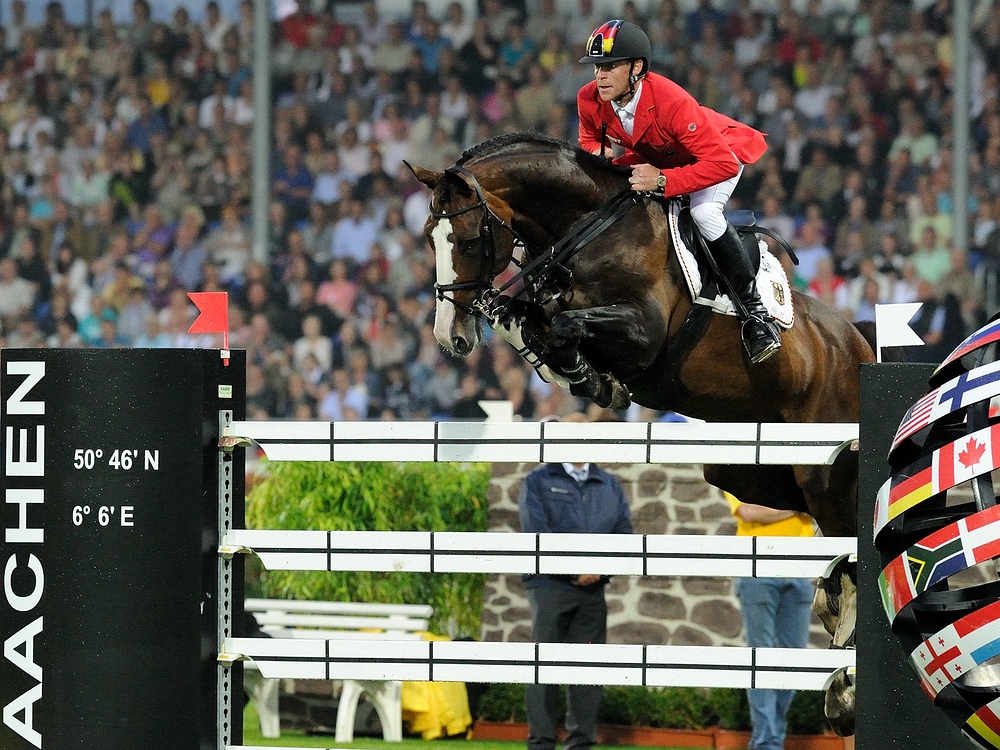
point(589, 162)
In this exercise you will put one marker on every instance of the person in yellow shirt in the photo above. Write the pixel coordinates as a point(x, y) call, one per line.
point(776, 614)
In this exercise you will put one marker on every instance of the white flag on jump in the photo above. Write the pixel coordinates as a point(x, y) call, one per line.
point(892, 326)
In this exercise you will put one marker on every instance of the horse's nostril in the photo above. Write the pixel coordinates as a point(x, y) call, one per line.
point(460, 346)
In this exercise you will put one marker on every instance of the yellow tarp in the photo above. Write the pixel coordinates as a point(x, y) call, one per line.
point(435, 709)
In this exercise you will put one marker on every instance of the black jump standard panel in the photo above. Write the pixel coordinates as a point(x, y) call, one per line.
point(109, 547)
point(892, 711)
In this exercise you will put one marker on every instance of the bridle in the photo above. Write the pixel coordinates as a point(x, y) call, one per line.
point(483, 283)
point(545, 270)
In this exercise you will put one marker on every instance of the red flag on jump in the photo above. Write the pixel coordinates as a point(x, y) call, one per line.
point(213, 318)
point(214, 308)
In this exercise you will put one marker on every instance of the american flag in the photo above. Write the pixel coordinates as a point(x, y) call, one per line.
point(968, 388)
point(917, 417)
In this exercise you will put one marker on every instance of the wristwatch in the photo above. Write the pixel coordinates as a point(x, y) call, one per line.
point(661, 182)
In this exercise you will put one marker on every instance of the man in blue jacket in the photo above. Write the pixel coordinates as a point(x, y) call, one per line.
point(575, 498)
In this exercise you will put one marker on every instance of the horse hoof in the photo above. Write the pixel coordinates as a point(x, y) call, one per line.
point(614, 395)
point(836, 601)
point(838, 703)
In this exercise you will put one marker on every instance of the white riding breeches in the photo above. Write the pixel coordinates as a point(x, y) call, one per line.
point(707, 207)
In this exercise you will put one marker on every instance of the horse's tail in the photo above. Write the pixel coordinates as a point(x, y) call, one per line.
point(889, 353)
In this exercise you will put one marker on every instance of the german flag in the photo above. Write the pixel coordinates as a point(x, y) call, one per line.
point(911, 486)
point(983, 727)
point(947, 467)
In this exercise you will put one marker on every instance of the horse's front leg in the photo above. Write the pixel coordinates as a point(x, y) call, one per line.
point(619, 333)
point(522, 325)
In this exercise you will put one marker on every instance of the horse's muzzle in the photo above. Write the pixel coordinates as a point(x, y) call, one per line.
point(462, 346)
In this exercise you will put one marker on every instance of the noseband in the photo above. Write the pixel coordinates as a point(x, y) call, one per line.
point(483, 283)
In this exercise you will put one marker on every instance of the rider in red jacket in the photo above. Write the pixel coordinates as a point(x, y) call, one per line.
point(675, 147)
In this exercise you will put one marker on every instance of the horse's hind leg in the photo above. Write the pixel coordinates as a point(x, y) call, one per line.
point(836, 605)
point(831, 494)
point(770, 486)
point(835, 602)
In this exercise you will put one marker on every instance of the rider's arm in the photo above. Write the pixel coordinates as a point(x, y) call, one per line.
point(700, 133)
point(688, 143)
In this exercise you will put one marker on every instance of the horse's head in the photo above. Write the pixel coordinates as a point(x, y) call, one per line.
point(470, 233)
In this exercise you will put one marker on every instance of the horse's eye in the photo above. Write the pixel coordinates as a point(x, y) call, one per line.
point(468, 247)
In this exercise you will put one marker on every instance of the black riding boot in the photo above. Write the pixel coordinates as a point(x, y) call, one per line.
point(760, 334)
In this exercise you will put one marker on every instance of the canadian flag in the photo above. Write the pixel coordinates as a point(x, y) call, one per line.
point(967, 457)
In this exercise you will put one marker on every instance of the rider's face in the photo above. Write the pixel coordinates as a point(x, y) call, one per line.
point(612, 79)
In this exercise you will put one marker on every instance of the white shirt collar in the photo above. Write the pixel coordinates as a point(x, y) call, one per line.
point(629, 109)
point(572, 470)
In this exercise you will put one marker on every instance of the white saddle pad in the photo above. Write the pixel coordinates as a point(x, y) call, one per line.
point(772, 283)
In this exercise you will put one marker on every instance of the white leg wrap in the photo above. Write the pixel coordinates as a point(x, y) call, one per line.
point(510, 332)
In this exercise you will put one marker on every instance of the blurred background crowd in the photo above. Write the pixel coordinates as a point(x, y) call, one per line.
point(125, 174)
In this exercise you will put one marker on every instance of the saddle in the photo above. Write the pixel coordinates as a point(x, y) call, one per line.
point(702, 274)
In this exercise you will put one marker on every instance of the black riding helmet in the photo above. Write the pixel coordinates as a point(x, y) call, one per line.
point(618, 40)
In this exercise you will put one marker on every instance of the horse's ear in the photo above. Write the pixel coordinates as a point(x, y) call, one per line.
point(426, 176)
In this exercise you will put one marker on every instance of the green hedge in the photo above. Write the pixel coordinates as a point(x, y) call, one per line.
point(375, 496)
point(670, 707)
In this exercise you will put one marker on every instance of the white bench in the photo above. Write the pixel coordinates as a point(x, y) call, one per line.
point(293, 618)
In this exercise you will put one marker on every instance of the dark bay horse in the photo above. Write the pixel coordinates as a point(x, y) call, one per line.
point(605, 317)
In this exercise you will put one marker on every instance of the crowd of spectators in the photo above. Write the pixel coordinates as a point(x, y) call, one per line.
point(125, 175)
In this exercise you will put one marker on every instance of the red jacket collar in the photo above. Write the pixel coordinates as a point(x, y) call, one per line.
point(645, 110)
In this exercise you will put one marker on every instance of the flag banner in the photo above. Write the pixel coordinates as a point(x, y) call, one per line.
point(214, 308)
point(983, 727)
point(907, 488)
point(947, 467)
point(968, 388)
point(960, 545)
point(985, 335)
point(895, 586)
point(956, 649)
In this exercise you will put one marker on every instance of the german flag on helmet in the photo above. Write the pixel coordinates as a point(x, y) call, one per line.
point(617, 40)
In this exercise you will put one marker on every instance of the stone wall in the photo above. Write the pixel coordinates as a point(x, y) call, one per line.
point(641, 609)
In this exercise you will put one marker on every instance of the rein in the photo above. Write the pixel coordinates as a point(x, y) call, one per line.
point(537, 271)
point(584, 231)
